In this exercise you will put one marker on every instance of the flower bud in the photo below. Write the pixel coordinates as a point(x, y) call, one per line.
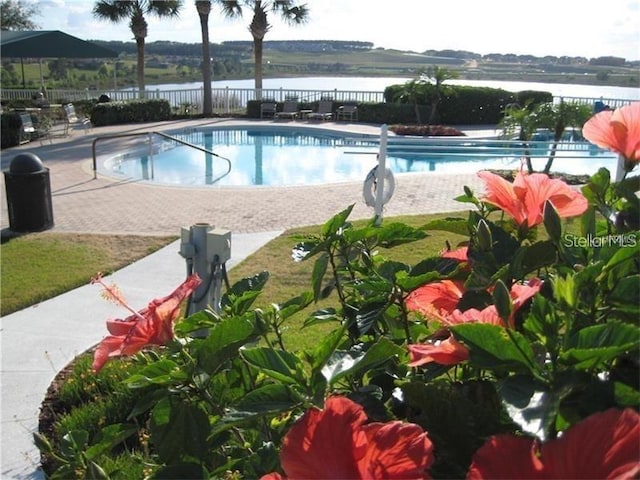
point(483, 233)
point(552, 221)
point(502, 301)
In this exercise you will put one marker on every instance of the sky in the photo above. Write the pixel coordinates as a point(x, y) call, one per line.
point(525, 27)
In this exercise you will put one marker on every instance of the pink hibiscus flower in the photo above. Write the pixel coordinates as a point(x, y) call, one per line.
point(152, 325)
point(524, 199)
point(617, 130)
point(605, 445)
point(439, 300)
point(338, 443)
point(443, 352)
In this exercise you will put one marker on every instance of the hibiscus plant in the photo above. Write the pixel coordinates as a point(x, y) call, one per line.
point(511, 355)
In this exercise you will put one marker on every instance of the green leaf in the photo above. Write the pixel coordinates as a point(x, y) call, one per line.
point(326, 347)
point(278, 364)
point(162, 372)
point(268, 399)
point(594, 346)
point(179, 430)
point(223, 343)
point(530, 258)
point(628, 254)
point(494, 347)
point(294, 305)
point(529, 404)
point(109, 437)
point(242, 293)
point(355, 361)
point(334, 224)
point(625, 295)
point(321, 316)
point(626, 395)
point(387, 235)
point(183, 471)
point(319, 270)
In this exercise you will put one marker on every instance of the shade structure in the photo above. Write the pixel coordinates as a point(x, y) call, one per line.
point(49, 44)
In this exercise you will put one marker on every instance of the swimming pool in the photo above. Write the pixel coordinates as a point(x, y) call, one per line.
point(279, 156)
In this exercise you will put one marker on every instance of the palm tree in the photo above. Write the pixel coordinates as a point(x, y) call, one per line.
point(204, 8)
point(438, 75)
point(291, 13)
point(135, 10)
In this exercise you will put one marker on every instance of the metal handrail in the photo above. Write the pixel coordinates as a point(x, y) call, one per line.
point(169, 137)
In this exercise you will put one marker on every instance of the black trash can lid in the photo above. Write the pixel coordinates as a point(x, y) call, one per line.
point(26, 163)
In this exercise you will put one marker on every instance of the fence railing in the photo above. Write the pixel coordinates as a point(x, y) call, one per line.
point(234, 100)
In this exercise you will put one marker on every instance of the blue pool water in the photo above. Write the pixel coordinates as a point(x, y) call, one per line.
point(298, 156)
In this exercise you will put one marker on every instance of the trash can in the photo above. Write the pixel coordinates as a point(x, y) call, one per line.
point(28, 194)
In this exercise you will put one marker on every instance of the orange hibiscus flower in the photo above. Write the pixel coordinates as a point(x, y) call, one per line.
point(337, 442)
point(443, 352)
point(524, 199)
point(152, 325)
point(439, 300)
point(617, 130)
point(436, 300)
point(605, 445)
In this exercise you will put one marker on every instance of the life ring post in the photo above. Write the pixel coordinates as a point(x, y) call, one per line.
point(380, 174)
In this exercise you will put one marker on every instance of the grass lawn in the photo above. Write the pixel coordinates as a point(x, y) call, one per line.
point(39, 266)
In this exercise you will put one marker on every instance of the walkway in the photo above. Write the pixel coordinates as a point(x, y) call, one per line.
point(39, 341)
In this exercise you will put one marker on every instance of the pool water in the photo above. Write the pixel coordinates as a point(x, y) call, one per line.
point(290, 156)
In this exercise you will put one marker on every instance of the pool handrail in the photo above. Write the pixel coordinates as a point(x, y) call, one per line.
point(153, 132)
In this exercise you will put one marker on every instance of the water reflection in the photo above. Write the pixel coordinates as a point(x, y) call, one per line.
point(302, 158)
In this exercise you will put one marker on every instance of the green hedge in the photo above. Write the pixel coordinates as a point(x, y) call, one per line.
point(10, 129)
point(463, 105)
point(114, 113)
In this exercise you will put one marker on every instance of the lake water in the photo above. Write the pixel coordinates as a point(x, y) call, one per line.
point(378, 84)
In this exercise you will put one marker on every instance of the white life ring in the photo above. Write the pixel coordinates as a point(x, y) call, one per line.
point(370, 186)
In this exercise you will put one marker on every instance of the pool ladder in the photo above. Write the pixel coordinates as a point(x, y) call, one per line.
point(150, 135)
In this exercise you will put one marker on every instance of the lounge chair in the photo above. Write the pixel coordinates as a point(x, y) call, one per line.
point(72, 118)
point(347, 112)
point(29, 131)
point(324, 112)
point(289, 110)
point(267, 109)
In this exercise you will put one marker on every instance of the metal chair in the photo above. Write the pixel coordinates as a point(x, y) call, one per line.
point(268, 109)
point(324, 112)
point(289, 110)
point(347, 111)
point(73, 119)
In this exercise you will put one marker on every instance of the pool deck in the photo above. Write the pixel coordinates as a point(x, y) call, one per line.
point(39, 341)
point(106, 205)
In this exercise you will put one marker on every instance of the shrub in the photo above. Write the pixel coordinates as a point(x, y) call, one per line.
point(114, 113)
point(10, 129)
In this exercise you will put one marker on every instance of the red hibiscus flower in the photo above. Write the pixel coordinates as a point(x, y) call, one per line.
point(519, 293)
point(461, 254)
point(439, 300)
point(617, 130)
point(436, 300)
point(338, 443)
point(605, 445)
point(152, 325)
point(443, 352)
point(524, 199)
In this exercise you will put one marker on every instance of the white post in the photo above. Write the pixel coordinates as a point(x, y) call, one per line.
point(619, 168)
point(380, 174)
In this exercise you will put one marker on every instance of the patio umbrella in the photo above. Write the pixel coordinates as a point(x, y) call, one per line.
point(48, 44)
